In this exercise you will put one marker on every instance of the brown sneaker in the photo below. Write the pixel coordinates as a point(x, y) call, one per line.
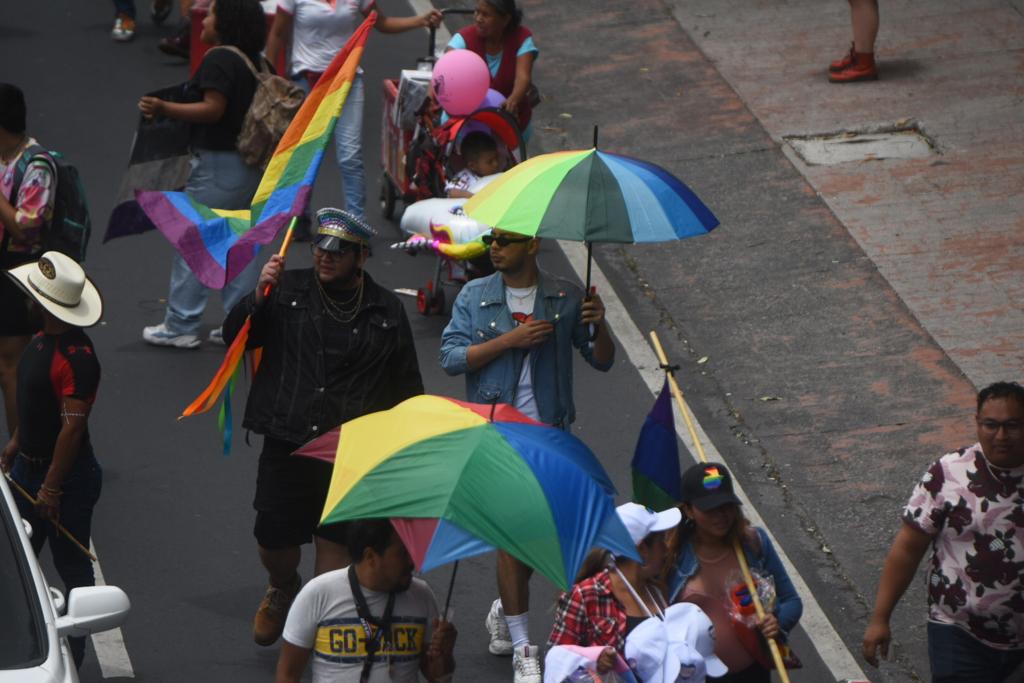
point(269, 621)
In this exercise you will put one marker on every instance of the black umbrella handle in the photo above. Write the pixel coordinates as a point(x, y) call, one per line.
point(451, 586)
point(591, 328)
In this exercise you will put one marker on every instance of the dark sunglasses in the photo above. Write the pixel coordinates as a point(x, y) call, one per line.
point(503, 240)
point(338, 253)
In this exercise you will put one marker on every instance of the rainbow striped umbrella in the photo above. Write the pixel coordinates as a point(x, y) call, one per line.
point(592, 196)
point(457, 484)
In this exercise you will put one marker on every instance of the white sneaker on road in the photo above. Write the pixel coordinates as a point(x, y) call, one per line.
point(526, 664)
point(159, 335)
point(501, 639)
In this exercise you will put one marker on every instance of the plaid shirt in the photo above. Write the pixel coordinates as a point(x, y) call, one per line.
point(590, 615)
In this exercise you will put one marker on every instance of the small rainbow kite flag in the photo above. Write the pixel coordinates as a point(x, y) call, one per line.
point(282, 196)
point(656, 475)
point(218, 244)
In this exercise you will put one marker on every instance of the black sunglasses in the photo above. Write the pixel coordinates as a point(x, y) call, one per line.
point(503, 240)
point(342, 249)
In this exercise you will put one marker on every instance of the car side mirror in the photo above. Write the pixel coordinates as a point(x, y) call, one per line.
point(92, 609)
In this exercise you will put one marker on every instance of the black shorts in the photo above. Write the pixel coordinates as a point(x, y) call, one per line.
point(16, 320)
point(290, 495)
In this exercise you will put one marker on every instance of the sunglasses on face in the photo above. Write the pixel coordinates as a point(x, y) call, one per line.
point(339, 253)
point(503, 240)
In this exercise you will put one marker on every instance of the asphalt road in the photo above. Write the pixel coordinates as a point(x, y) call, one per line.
point(173, 527)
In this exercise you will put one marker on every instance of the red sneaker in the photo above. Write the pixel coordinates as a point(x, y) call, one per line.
point(862, 69)
point(843, 63)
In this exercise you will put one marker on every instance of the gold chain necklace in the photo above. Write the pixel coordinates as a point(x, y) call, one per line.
point(340, 311)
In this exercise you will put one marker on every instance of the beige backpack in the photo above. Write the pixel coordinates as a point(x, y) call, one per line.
point(274, 105)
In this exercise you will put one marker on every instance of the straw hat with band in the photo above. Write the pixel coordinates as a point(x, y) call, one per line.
point(337, 230)
point(58, 284)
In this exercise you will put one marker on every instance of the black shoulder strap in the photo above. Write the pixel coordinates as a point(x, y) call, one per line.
point(383, 625)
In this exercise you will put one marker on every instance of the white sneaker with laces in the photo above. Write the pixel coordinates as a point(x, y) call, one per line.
point(159, 335)
point(501, 639)
point(526, 664)
point(216, 336)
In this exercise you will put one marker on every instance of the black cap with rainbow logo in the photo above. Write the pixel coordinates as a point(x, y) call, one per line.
point(707, 486)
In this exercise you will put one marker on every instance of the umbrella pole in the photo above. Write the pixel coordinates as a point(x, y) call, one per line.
point(741, 557)
point(451, 586)
point(590, 257)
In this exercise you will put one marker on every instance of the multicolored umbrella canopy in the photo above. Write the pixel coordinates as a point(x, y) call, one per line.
point(461, 484)
point(592, 196)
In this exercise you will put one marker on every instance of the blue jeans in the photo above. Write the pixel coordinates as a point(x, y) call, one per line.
point(221, 180)
point(957, 657)
point(125, 7)
point(348, 145)
point(81, 490)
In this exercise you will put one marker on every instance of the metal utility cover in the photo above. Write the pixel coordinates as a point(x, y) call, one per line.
point(846, 146)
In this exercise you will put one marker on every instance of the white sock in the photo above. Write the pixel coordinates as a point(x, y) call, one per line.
point(519, 628)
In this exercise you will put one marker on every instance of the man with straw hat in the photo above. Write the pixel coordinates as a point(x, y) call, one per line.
point(336, 345)
point(50, 455)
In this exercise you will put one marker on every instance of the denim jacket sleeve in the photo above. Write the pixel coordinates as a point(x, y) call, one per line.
point(788, 605)
point(457, 336)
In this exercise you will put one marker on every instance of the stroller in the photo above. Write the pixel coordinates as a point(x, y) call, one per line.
point(419, 154)
point(436, 223)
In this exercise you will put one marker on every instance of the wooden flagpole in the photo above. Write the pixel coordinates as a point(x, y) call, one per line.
point(780, 667)
point(60, 527)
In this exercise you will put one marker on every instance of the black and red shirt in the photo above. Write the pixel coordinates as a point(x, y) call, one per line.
point(52, 368)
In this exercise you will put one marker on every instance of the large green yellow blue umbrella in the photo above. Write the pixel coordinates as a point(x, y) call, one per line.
point(592, 196)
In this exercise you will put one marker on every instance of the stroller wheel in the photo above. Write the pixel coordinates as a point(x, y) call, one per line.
point(437, 302)
point(388, 197)
point(424, 297)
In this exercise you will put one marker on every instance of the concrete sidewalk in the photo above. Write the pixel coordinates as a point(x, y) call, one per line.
point(947, 231)
point(833, 330)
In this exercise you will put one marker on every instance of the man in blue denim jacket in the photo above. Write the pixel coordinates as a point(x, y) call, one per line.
point(512, 335)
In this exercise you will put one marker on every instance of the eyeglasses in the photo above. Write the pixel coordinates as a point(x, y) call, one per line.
point(1012, 427)
point(503, 240)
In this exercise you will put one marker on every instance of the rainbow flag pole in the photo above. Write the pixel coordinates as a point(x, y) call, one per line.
point(748, 579)
point(282, 196)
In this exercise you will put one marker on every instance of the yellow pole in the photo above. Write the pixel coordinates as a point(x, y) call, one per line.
point(740, 556)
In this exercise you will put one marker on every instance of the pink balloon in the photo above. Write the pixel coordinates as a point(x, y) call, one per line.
point(461, 79)
point(493, 98)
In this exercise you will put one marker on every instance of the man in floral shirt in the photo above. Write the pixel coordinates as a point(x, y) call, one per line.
point(969, 508)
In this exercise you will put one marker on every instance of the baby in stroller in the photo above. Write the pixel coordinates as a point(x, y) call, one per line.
point(480, 155)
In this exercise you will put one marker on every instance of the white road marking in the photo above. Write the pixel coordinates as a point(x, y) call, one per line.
point(109, 645)
point(819, 629)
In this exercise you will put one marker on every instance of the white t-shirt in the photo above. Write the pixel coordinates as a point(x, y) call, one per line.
point(520, 302)
point(320, 28)
point(463, 180)
point(323, 618)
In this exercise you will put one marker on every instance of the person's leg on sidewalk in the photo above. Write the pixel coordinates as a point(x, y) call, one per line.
point(859, 64)
point(514, 591)
point(348, 142)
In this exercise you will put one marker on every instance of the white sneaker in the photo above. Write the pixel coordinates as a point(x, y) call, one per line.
point(501, 639)
point(216, 336)
point(159, 335)
point(124, 28)
point(526, 664)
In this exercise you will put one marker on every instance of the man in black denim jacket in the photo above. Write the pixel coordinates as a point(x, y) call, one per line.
point(335, 346)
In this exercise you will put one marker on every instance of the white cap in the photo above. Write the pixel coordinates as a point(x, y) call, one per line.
point(687, 623)
point(642, 521)
point(648, 653)
point(562, 661)
point(692, 668)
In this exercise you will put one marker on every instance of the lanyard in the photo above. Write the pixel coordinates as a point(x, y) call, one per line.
point(374, 639)
point(643, 605)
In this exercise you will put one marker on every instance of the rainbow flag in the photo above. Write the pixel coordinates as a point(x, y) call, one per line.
point(218, 244)
point(656, 475)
